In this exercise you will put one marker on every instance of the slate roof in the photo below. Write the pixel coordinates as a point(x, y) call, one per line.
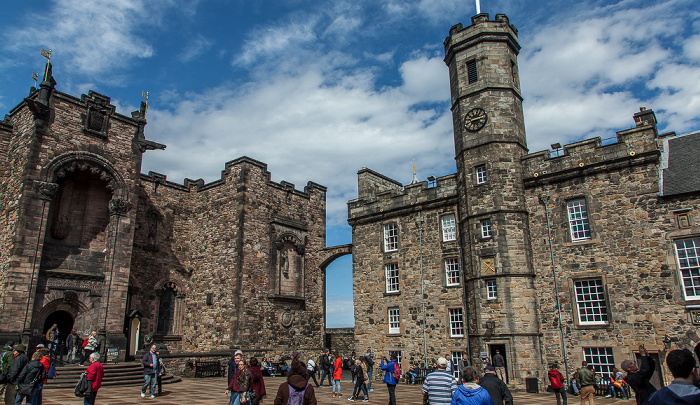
point(680, 164)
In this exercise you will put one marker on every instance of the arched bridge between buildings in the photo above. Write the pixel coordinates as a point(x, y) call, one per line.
point(331, 253)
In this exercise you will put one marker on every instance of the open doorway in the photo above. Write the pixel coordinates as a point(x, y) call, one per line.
point(500, 348)
point(64, 322)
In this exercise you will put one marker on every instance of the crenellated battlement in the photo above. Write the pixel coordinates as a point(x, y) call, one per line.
point(633, 146)
point(231, 167)
point(381, 195)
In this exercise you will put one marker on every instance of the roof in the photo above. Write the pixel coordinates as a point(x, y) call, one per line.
point(680, 164)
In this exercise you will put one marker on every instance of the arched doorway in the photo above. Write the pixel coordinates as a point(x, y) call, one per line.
point(64, 321)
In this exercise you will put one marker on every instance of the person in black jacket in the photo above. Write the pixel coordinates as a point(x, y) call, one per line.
point(638, 378)
point(29, 378)
point(497, 389)
point(325, 364)
point(16, 368)
point(233, 364)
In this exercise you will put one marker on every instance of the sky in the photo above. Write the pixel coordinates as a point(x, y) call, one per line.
point(320, 89)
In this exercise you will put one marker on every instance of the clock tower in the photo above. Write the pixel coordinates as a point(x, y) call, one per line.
point(489, 135)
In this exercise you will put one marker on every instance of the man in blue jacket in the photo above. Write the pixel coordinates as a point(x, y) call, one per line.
point(682, 390)
point(151, 366)
point(389, 367)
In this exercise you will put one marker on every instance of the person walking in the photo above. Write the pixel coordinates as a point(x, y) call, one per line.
point(95, 373)
point(71, 345)
point(46, 362)
point(257, 381)
point(586, 378)
point(20, 362)
point(90, 347)
point(29, 379)
point(500, 364)
point(52, 338)
point(311, 367)
point(151, 365)
point(638, 377)
point(233, 365)
point(360, 377)
point(337, 375)
point(389, 368)
point(497, 388)
point(470, 392)
point(6, 360)
point(297, 386)
point(557, 382)
point(240, 385)
point(369, 360)
point(326, 367)
point(440, 385)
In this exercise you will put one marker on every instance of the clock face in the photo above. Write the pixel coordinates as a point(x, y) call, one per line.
point(475, 120)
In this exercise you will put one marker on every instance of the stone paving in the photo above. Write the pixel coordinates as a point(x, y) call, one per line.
point(211, 391)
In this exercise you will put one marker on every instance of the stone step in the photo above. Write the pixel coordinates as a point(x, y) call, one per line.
point(130, 373)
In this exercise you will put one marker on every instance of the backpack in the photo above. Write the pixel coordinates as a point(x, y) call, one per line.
point(296, 397)
point(397, 372)
point(85, 341)
point(52, 371)
point(83, 387)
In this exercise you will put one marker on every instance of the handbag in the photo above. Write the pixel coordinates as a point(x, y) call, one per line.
point(252, 395)
point(617, 384)
point(25, 389)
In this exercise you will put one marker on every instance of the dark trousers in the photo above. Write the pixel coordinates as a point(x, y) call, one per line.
point(560, 392)
point(392, 394)
point(323, 377)
point(358, 386)
point(87, 353)
point(91, 399)
point(313, 375)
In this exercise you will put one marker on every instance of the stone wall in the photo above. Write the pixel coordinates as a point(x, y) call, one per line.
point(341, 341)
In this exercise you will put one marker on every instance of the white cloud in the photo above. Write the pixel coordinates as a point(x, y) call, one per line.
point(339, 311)
point(197, 46)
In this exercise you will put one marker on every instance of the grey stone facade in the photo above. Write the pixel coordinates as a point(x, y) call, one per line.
point(617, 274)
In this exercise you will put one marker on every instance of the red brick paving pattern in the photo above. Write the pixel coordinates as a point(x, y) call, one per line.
point(211, 391)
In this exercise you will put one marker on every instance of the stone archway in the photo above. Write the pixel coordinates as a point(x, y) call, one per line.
point(328, 258)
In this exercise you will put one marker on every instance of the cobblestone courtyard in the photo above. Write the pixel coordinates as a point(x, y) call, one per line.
point(211, 391)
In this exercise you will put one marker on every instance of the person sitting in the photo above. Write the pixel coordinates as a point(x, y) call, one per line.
point(284, 368)
point(268, 367)
point(413, 372)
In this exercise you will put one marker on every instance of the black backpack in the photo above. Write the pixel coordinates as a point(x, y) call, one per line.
point(83, 388)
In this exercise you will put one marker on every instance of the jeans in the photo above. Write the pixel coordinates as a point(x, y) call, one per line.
point(413, 376)
point(19, 398)
point(336, 383)
point(235, 398)
point(71, 354)
point(392, 394)
point(369, 379)
point(38, 394)
point(358, 386)
point(91, 399)
point(149, 380)
point(10, 393)
point(325, 373)
point(560, 392)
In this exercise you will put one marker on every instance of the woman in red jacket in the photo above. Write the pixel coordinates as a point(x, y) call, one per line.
point(557, 381)
point(337, 374)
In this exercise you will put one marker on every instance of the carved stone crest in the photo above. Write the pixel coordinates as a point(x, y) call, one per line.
point(45, 190)
point(287, 317)
point(118, 206)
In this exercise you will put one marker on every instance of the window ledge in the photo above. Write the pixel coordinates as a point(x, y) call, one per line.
point(394, 334)
point(388, 294)
point(594, 326)
point(453, 285)
point(583, 242)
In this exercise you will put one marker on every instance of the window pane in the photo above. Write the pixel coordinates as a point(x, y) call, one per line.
point(578, 220)
point(456, 323)
point(449, 230)
point(392, 277)
point(601, 358)
point(394, 321)
point(486, 229)
point(391, 237)
point(590, 300)
point(688, 254)
point(491, 289)
point(452, 271)
point(480, 174)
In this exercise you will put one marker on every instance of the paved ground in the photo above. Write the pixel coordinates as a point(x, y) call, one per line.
point(211, 391)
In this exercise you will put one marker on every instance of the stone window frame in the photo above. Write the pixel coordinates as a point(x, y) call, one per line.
point(480, 176)
point(387, 291)
point(572, 221)
point(693, 276)
point(486, 228)
point(178, 299)
point(445, 230)
point(575, 306)
point(491, 285)
point(396, 318)
point(386, 241)
point(454, 268)
point(455, 322)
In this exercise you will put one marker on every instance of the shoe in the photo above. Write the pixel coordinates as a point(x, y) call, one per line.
point(370, 390)
point(351, 399)
point(153, 396)
point(608, 396)
point(365, 400)
point(143, 395)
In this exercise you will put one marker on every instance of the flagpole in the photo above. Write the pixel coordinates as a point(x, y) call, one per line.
point(478, 7)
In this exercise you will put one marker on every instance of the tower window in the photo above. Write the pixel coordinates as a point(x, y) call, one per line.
point(491, 289)
point(688, 256)
point(452, 271)
point(578, 220)
point(449, 229)
point(481, 174)
point(590, 301)
point(392, 277)
point(471, 72)
point(485, 229)
point(394, 320)
point(456, 322)
point(391, 237)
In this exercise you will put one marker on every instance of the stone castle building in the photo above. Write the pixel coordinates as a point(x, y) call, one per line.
point(580, 253)
point(88, 242)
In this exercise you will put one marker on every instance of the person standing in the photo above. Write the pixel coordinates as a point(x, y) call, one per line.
point(95, 373)
point(233, 365)
point(240, 385)
point(369, 360)
point(497, 388)
point(470, 392)
point(71, 345)
point(297, 385)
point(6, 362)
point(46, 362)
point(311, 367)
point(450, 364)
point(638, 377)
point(440, 385)
point(389, 367)
point(257, 381)
point(29, 378)
point(586, 378)
point(682, 389)
point(150, 364)
point(325, 367)
point(52, 337)
point(500, 364)
point(337, 375)
point(18, 364)
point(557, 381)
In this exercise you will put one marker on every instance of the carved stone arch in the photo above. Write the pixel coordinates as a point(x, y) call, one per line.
point(66, 163)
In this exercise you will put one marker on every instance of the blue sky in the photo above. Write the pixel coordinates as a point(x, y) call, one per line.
point(320, 89)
